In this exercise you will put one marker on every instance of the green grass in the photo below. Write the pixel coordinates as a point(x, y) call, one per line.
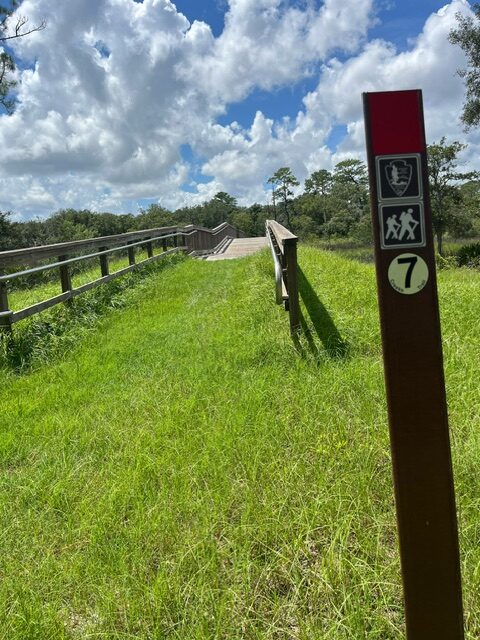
point(187, 472)
point(41, 337)
point(347, 248)
point(354, 250)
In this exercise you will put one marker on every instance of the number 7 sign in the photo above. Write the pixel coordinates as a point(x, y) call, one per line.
point(408, 273)
point(412, 351)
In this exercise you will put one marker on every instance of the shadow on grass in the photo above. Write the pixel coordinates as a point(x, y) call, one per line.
point(322, 323)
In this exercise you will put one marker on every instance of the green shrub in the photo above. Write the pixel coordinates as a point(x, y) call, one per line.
point(446, 262)
point(469, 255)
point(362, 231)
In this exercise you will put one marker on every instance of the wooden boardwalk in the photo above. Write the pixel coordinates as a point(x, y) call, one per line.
point(240, 247)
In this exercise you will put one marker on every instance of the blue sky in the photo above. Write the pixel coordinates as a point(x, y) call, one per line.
point(210, 11)
point(401, 20)
point(186, 98)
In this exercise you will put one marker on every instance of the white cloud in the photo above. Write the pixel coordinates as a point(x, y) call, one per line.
point(430, 64)
point(265, 45)
point(116, 87)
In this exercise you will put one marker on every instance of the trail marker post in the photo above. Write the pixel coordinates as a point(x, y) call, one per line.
point(413, 361)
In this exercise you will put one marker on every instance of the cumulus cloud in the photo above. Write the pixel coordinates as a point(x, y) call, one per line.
point(114, 88)
point(265, 45)
point(429, 64)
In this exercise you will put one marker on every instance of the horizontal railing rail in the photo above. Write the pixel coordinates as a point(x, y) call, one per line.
point(283, 244)
point(34, 255)
point(185, 239)
point(64, 263)
point(199, 238)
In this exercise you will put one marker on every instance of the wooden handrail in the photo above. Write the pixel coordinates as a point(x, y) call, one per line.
point(186, 239)
point(283, 244)
point(67, 261)
point(33, 255)
point(282, 234)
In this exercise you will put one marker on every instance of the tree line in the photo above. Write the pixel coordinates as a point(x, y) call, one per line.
point(336, 204)
point(333, 204)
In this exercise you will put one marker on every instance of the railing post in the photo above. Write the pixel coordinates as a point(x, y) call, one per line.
point(5, 312)
point(175, 241)
point(149, 246)
point(65, 276)
point(188, 241)
point(104, 270)
point(278, 278)
point(164, 245)
point(290, 252)
point(131, 255)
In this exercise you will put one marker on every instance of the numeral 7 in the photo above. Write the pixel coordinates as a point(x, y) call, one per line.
point(411, 262)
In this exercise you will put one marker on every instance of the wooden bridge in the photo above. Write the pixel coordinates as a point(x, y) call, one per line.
point(225, 242)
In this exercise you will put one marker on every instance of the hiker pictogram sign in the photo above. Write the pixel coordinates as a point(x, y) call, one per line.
point(402, 225)
point(399, 177)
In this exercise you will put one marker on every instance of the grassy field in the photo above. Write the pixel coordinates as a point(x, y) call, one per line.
point(355, 250)
point(187, 472)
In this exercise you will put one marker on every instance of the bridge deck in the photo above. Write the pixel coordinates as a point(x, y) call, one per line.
point(240, 247)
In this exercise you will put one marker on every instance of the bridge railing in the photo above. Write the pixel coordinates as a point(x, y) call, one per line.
point(283, 244)
point(197, 238)
point(207, 239)
point(187, 239)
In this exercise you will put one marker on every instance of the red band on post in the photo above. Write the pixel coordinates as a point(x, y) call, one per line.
point(396, 122)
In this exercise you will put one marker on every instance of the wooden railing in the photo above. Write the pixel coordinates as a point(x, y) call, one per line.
point(207, 239)
point(188, 239)
point(196, 238)
point(283, 244)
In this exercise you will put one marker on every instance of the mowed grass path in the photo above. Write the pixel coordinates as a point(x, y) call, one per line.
point(189, 473)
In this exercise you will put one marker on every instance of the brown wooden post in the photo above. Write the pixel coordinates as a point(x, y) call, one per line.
point(412, 349)
point(290, 251)
point(195, 241)
point(131, 255)
point(149, 246)
point(164, 245)
point(189, 241)
point(65, 277)
point(5, 312)
point(104, 269)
